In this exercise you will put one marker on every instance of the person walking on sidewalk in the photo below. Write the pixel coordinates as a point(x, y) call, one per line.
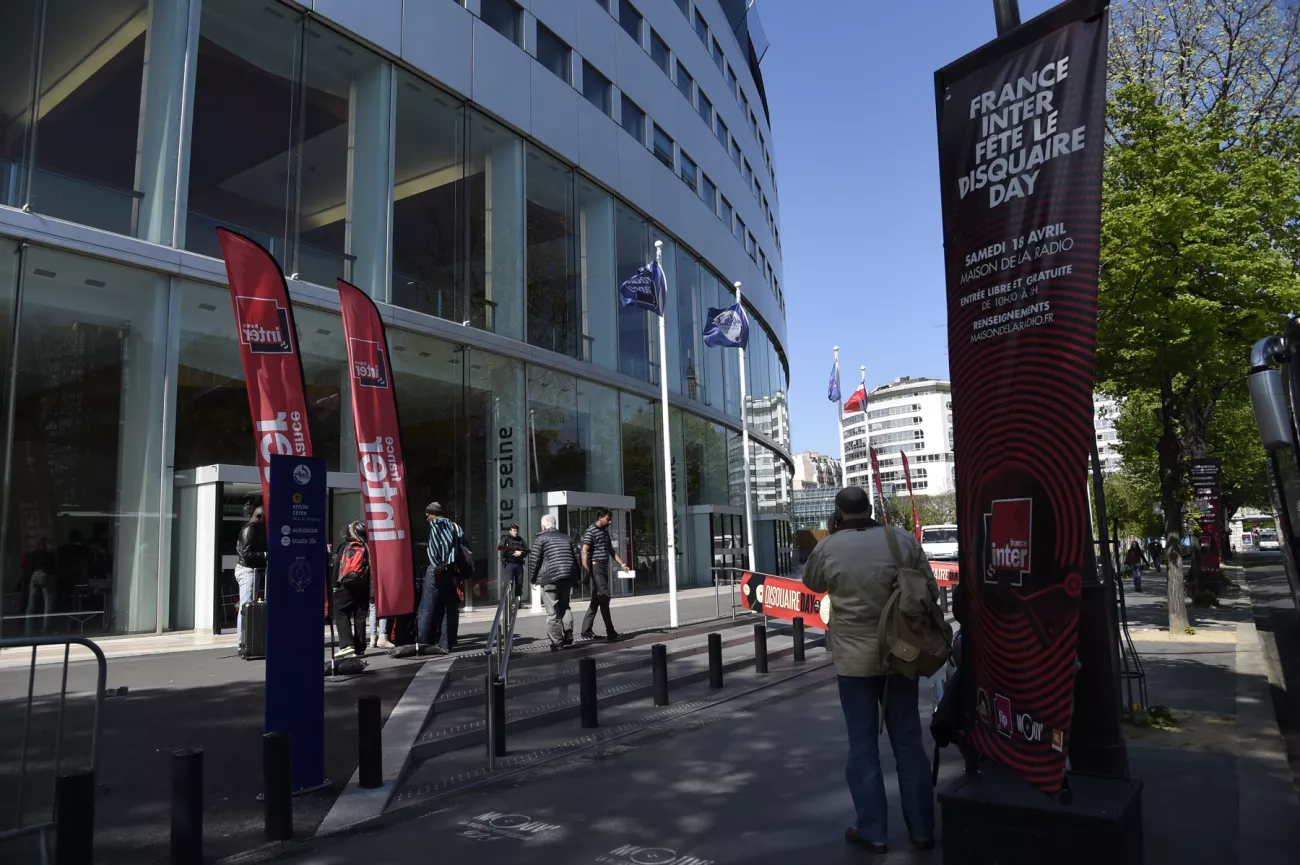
point(552, 567)
point(514, 554)
point(250, 565)
point(1133, 558)
point(439, 612)
point(596, 554)
point(858, 571)
point(351, 596)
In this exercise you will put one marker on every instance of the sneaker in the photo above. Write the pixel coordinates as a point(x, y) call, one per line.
point(922, 843)
point(567, 641)
point(588, 635)
point(374, 641)
point(613, 636)
point(554, 647)
point(345, 652)
point(384, 642)
point(854, 837)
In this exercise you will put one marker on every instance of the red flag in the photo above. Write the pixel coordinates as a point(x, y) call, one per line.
point(880, 491)
point(379, 453)
point(858, 401)
point(268, 345)
point(916, 517)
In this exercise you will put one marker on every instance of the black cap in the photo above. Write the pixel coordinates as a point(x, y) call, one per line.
point(853, 501)
point(512, 526)
point(434, 508)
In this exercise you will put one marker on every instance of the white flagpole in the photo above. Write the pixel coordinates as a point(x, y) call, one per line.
point(744, 434)
point(866, 424)
point(839, 422)
point(670, 506)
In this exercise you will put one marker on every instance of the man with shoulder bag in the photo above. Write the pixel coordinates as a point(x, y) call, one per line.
point(438, 616)
point(887, 632)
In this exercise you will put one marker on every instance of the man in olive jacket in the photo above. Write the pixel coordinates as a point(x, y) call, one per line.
point(854, 567)
point(552, 567)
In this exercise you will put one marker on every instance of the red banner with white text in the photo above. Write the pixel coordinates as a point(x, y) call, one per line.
point(268, 346)
point(784, 599)
point(379, 453)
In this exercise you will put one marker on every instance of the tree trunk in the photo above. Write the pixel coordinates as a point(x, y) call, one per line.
point(1169, 451)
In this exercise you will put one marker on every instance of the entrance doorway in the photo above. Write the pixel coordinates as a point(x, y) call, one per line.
point(574, 512)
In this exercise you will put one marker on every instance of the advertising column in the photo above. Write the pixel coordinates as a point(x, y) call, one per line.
point(1021, 130)
point(1206, 480)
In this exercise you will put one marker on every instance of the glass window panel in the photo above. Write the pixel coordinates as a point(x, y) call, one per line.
point(690, 326)
point(495, 188)
point(554, 312)
point(711, 359)
point(633, 120)
point(92, 68)
point(751, 245)
point(730, 361)
point(630, 20)
point(689, 172)
point(744, 104)
point(663, 147)
point(747, 173)
point(705, 108)
point(721, 131)
point(596, 253)
point(735, 153)
point(343, 196)
point(603, 4)
point(731, 79)
point(701, 28)
point(643, 480)
point(429, 197)
point(632, 250)
point(659, 51)
point(684, 81)
point(683, 5)
point(595, 87)
point(553, 53)
point(740, 229)
point(598, 435)
point(717, 56)
point(753, 123)
point(709, 193)
point(559, 461)
point(504, 17)
point(247, 70)
point(87, 450)
point(18, 43)
point(726, 212)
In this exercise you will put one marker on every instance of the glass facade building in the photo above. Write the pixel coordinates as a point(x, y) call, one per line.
point(445, 158)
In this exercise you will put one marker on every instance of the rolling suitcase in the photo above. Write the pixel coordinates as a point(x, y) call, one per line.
point(253, 627)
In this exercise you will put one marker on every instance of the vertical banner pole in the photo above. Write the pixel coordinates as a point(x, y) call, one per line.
point(839, 423)
point(670, 507)
point(744, 434)
point(866, 430)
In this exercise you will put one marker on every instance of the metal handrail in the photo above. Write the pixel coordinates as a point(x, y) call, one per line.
point(101, 684)
point(717, 598)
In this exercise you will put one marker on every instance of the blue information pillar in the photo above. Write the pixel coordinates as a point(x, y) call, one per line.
point(296, 537)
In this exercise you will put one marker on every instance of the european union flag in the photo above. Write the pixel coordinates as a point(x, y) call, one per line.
point(833, 394)
point(647, 289)
point(727, 327)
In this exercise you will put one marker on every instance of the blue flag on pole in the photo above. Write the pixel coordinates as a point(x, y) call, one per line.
point(647, 289)
point(727, 327)
point(833, 394)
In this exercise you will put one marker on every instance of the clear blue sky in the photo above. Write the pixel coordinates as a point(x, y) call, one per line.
point(850, 84)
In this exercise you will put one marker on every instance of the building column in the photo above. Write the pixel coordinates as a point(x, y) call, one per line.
point(370, 178)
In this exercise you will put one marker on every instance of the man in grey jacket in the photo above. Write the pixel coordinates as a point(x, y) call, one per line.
point(854, 567)
point(552, 566)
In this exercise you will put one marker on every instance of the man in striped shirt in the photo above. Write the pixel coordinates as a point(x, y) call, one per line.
point(596, 553)
point(439, 612)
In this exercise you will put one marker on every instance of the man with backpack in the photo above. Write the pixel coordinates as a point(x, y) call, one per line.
point(438, 615)
point(885, 633)
point(351, 595)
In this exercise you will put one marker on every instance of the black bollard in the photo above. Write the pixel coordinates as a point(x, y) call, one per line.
point(499, 719)
point(277, 786)
point(715, 660)
point(370, 743)
point(74, 818)
point(760, 648)
point(659, 662)
point(187, 806)
point(587, 692)
point(798, 640)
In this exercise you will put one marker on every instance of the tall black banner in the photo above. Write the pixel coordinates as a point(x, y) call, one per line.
point(1020, 160)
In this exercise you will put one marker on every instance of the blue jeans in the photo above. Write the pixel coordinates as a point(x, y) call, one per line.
point(439, 614)
point(247, 580)
point(1137, 577)
point(860, 699)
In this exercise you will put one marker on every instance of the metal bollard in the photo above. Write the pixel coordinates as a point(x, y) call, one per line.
point(587, 692)
point(370, 743)
point(499, 718)
point(760, 649)
point(799, 655)
point(659, 662)
point(74, 818)
point(277, 786)
point(187, 806)
point(715, 660)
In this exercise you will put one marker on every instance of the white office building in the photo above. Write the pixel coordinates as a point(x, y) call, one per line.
point(907, 415)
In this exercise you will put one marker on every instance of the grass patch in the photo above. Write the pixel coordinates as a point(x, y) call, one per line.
point(1189, 630)
point(1156, 717)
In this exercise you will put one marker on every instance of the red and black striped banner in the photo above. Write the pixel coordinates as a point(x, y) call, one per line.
point(1020, 161)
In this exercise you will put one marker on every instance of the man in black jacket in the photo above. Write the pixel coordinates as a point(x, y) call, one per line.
point(551, 567)
point(250, 564)
point(514, 553)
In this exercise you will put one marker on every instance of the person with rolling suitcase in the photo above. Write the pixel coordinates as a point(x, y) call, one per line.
point(250, 570)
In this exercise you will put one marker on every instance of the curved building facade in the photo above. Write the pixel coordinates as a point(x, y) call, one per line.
point(489, 171)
